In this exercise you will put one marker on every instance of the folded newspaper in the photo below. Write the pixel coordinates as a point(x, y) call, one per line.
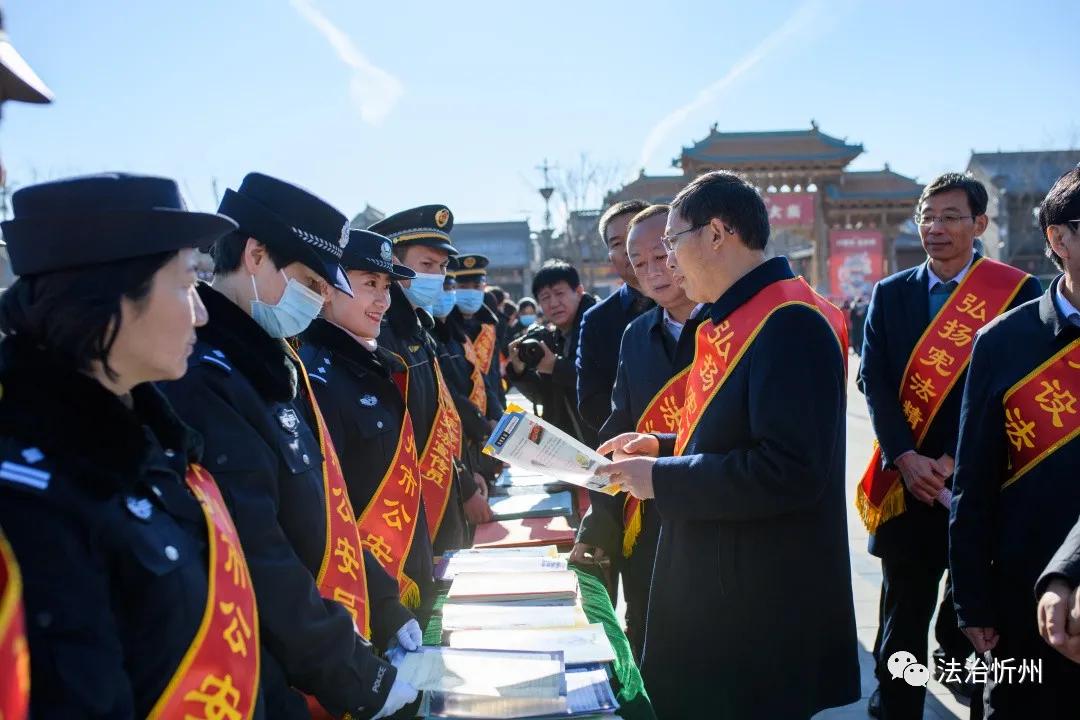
point(524, 440)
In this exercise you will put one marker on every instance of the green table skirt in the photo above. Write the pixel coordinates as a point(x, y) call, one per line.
point(629, 689)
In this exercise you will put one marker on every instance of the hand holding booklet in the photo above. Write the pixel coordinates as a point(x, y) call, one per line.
point(526, 441)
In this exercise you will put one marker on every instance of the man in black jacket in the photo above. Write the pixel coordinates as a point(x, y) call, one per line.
point(552, 382)
point(602, 326)
point(247, 396)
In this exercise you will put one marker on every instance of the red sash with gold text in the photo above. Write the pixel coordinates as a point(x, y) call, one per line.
point(485, 346)
point(936, 363)
point(477, 393)
point(388, 522)
point(14, 658)
point(341, 575)
point(661, 416)
point(1042, 411)
point(219, 674)
point(718, 348)
point(437, 459)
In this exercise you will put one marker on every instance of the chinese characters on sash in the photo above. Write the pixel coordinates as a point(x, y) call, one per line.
point(477, 391)
point(388, 523)
point(1042, 411)
point(719, 347)
point(939, 359)
point(218, 676)
point(661, 416)
point(437, 459)
point(485, 346)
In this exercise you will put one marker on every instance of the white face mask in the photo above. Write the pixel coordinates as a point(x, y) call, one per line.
point(444, 304)
point(469, 300)
point(292, 314)
point(424, 289)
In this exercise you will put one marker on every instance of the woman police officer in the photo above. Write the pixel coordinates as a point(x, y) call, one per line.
point(138, 599)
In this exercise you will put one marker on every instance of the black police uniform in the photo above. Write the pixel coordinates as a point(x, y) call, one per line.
point(406, 331)
point(364, 410)
point(1002, 536)
point(112, 545)
point(474, 267)
point(650, 358)
point(241, 393)
point(361, 403)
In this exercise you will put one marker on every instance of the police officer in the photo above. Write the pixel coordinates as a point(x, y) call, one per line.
point(99, 493)
point(1017, 464)
point(655, 348)
point(482, 326)
point(421, 242)
point(359, 386)
point(451, 339)
point(249, 397)
point(17, 82)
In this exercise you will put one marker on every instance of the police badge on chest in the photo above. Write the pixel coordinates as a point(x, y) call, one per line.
point(288, 420)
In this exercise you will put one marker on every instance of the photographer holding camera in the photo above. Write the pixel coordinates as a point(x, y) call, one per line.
point(542, 360)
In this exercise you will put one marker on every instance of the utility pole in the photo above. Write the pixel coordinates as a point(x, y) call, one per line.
point(546, 192)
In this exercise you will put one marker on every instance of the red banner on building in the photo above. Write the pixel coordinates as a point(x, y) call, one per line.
point(856, 262)
point(790, 209)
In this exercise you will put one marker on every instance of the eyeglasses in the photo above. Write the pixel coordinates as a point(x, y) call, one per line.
point(948, 219)
point(670, 242)
point(1074, 224)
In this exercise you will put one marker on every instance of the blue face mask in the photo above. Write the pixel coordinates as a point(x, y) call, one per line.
point(527, 320)
point(469, 300)
point(424, 290)
point(292, 314)
point(444, 304)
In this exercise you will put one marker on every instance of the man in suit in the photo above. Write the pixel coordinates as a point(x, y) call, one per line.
point(1016, 489)
point(750, 489)
point(917, 341)
point(656, 347)
point(602, 326)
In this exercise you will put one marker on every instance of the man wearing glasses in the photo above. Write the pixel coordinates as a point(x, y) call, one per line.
point(918, 337)
point(1016, 486)
point(750, 612)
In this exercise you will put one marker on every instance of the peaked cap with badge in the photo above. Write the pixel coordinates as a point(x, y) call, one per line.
point(97, 219)
point(428, 225)
point(471, 267)
point(372, 252)
point(292, 221)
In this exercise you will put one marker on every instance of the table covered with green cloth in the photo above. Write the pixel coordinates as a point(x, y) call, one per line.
point(626, 679)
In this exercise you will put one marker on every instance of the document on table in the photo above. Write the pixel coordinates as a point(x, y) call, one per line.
point(510, 507)
point(589, 644)
point(485, 683)
point(449, 568)
point(588, 691)
point(525, 441)
point(497, 616)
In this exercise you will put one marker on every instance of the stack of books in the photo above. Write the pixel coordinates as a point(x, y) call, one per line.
point(517, 643)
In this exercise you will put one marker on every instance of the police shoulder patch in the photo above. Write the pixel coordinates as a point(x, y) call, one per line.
point(24, 475)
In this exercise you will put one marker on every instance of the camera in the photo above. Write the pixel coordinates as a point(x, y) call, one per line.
point(530, 351)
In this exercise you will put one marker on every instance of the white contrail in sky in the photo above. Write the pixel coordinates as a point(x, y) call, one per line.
point(803, 20)
point(373, 90)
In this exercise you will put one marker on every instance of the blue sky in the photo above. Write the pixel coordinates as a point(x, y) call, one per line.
point(405, 103)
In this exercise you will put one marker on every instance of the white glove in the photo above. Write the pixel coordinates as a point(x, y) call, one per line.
point(401, 694)
point(409, 636)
